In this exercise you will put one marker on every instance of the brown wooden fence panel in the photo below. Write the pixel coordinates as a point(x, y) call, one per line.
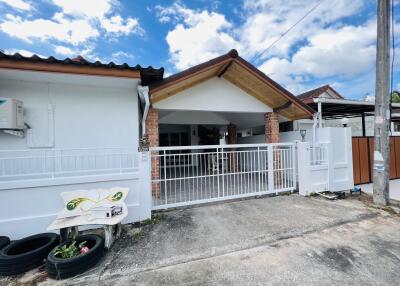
point(363, 159)
point(392, 173)
point(364, 162)
point(397, 153)
point(356, 161)
point(371, 156)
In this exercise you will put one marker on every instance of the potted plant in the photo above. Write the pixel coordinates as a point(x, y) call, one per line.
point(74, 256)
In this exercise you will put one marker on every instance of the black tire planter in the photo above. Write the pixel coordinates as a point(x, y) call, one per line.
point(27, 253)
point(59, 268)
point(4, 241)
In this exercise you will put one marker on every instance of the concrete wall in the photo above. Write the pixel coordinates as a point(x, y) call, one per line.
point(32, 206)
point(66, 115)
point(354, 123)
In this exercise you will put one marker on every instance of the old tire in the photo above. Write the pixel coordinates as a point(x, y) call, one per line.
point(59, 268)
point(27, 253)
point(4, 241)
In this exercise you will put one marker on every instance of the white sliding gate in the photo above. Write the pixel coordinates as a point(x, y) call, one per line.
point(187, 175)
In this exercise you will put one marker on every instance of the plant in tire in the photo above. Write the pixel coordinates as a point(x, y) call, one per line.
point(75, 256)
point(71, 250)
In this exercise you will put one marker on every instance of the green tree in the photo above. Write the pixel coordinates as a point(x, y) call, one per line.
point(396, 97)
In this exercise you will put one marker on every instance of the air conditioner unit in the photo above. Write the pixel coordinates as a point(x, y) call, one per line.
point(11, 114)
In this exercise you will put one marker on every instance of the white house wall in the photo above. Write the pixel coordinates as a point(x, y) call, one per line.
point(216, 94)
point(76, 116)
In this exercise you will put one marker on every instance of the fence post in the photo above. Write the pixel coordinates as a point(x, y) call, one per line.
point(303, 167)
point(145, 186)
point(270, 168)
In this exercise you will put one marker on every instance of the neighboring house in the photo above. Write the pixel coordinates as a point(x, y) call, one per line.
point(335, 107)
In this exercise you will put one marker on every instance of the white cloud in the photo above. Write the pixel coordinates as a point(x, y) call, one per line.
point(18, 4)
point(65, 51)
point(77, 23)
point(71, 31)
point(200, 35)
point(22, 52)
point(89, 9)
point(118, 25)
point(345, 52)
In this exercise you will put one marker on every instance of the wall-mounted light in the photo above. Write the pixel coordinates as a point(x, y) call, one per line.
point(303, 135)
point(345, 121)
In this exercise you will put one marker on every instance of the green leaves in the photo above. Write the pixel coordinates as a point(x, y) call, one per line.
point(117, 196)
point(71, 205)
point(69, 251)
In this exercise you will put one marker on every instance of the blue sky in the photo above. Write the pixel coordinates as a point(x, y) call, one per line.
point(334, 45)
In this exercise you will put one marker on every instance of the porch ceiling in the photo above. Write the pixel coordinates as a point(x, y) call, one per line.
point(240, 73)
point(241, 120)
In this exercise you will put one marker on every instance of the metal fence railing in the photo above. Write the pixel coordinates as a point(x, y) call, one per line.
point(197, 174)
point(54, 163)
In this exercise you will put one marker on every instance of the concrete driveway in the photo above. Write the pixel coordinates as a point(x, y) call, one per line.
point(285, 240)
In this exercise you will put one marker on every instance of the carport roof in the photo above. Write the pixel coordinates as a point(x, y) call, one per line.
point(340, 108)
point(240, 73)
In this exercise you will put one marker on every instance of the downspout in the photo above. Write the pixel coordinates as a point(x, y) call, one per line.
point(143, 92)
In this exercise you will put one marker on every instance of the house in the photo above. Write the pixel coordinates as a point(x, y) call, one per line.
point(334, 107)
point(73, 124)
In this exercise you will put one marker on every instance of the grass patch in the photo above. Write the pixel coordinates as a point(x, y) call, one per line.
point(138, 235)
point(155, 218)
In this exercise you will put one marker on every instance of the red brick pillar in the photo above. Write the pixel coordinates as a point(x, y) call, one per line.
point(272, 136)
point(271, 127)
point(152, 133)
point(232, 139)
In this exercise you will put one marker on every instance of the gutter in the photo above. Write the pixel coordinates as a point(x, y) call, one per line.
point(143, 92)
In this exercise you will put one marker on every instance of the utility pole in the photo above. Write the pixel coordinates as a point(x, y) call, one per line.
point(382, 106)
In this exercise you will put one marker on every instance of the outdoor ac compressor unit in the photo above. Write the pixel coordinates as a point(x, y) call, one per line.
point(11, 114)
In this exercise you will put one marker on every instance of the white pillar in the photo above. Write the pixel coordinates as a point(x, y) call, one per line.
point(303, 167)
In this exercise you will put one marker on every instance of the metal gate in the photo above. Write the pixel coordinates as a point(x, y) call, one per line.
point(188, 175)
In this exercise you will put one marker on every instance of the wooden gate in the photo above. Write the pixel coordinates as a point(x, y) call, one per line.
point(363, 159)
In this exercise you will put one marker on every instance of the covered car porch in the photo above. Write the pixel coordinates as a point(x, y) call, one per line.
point(194, 124)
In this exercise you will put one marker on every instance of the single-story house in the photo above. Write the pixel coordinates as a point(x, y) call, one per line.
point(73, 124)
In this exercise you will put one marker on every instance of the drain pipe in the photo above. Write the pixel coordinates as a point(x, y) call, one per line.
point(143, 92)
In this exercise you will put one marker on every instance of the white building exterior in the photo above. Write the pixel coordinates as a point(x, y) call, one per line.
point(84, 121)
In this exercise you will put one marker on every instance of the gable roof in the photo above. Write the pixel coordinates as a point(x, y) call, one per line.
point(79, 65)
point(307, 96)
point(240, 73)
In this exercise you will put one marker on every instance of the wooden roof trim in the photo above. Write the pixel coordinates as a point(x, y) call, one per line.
point(70, 69)
point(186, 76)
point(252, 69)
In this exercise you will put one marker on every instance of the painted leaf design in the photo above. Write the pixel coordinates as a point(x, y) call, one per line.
point(117, 196)
point(71, 205)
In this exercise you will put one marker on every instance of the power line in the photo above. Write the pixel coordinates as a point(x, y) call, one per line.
point(287, 31)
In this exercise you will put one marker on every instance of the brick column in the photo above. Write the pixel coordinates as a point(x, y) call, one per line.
point(153, 134)
point(272, 136)
point(232, 139)
point(271, 127)
point(232, 134)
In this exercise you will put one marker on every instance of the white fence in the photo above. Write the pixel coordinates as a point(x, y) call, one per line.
point(199, 174)
point(56, 163)
point(328, 166)
point(31, 183)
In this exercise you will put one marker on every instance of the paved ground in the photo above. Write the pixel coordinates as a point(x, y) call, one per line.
point(394, 190)
point(285, 240)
